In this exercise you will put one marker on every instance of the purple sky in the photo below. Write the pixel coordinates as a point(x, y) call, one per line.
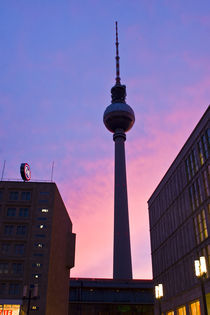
point(57, 68)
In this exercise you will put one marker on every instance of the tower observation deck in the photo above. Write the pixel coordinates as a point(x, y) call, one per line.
point(118, 119)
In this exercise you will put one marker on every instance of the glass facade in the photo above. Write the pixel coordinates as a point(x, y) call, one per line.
point(181, 310)
point(195, 308)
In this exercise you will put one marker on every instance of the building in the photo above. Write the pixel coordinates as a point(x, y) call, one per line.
point(110, 296)
point(179, 214)
point(36, 249)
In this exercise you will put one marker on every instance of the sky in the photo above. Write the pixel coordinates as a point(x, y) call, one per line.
point(57, 64)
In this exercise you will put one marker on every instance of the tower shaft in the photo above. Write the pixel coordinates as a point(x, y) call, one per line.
point(122, 268)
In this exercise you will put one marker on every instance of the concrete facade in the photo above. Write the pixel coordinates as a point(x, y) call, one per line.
point(179, 214)
point(109, 296)
point(37, 247)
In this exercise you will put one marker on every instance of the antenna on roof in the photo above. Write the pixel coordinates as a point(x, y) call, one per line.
point(52, 171)
point(2, 175)
point(117, 57)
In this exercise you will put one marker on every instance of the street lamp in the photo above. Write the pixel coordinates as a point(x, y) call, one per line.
point(159, 294)
point(200, 272)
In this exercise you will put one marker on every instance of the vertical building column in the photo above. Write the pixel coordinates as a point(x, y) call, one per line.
point(122, 251)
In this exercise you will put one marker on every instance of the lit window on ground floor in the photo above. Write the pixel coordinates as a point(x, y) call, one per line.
point(195, 308)
point(181, 310)
point(9, 309)
point(170, 313)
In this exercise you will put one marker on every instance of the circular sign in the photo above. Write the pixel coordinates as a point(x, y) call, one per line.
point(25, 172)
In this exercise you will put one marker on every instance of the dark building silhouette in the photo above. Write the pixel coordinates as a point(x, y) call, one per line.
point(36, 248)
point(179, 213)
point(119, 118)
point(110, 296)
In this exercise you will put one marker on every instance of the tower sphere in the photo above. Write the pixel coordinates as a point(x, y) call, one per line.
point(119, 116)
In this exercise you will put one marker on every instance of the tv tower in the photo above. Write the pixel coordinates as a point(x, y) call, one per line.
point(119, 118)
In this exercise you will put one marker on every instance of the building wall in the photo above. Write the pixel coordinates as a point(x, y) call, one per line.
point(28, 238)
point(179, 213)
point(110, 296)
point(60, 262)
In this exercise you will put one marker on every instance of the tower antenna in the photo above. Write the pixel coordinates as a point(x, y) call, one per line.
point(117, 58)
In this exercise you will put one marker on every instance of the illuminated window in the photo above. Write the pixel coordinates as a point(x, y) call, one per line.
point(13, 195)
point(37, 265)
point(201, 231)
point(195, 308)
point(4, 268)
point(205, 251)
point(170, 313)
point(195, 192)
point(42, 226)
point(203, 147)
point(181, 310)
point(44, 210)
point(11, 212)
point(34, 307)
point(23, 212)
point(39, 245)
point(26, 195)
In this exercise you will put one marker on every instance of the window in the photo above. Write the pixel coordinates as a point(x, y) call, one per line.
point(37, 265)
point(5, 248)
point(41, 219)
point(8, 229)
point(39, 245)
point(38, 255)
point(2, 288)
point(13, 195)
point(17, 268)
point(42, 226)
point(19, 249)
point(181, 310)
point(4, 268)
point(206, 182)
point(1, 194)
point(24, 212)
point(44, 210)
point(40, 235)
point(14, 289)
point(170, 313)
point(195, 308)
point(195, 192)
point(25, 195)
point(201, 231)
point(11, 212)
point(191, 165)
point(203, 147)
point(21, 230)
point(44, 193)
